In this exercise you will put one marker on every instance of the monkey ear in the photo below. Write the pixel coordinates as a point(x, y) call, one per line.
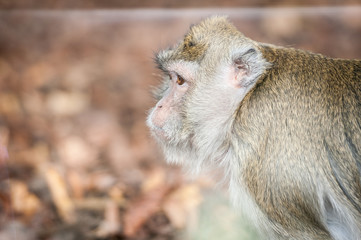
point(246, 68)
point(240, 71)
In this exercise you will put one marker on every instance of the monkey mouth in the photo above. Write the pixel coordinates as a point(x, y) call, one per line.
point(160, 133)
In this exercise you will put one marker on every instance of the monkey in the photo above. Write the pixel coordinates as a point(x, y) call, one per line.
point(283, 124)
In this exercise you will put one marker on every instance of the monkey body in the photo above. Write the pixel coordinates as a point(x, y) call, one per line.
point(290, 174)
point(284, 124)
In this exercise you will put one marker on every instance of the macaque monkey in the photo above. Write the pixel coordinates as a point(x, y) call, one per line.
point(284, 125)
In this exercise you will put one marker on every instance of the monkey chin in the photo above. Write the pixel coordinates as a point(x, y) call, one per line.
point(160, 134)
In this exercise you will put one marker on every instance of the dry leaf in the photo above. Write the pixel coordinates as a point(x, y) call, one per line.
point(60, 195)
point(181, 203)
point(22, 201)
point(156, 178)
point(77, 182)
point(97, 204)
point(116, 193)
point(139, 212)
point(111, 224)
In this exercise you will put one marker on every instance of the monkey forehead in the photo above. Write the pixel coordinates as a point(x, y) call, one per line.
point(171, 59)
point(187, 69)
point(212, 33)
point(215, 34)
point(185, 52)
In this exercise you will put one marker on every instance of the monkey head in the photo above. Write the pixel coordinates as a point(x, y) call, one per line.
point(206, 76)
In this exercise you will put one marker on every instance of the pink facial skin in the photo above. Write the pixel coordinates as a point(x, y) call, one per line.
point(167, 109)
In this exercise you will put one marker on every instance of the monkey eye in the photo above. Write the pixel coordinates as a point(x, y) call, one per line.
point(180, 80)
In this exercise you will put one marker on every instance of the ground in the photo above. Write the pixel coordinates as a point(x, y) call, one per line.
point(76, 159)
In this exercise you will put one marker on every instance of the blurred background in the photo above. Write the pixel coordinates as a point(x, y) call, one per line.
point(76, 159)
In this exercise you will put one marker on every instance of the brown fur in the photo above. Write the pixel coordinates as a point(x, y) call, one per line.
point(306, 112)
point(294, 141)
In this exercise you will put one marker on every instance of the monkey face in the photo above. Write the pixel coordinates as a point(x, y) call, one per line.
point(165, 119)
point(206, 76)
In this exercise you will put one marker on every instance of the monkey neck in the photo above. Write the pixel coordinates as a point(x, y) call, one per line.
point(289, 60)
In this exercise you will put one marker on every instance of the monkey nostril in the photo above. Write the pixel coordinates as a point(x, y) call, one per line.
point(160, 106)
